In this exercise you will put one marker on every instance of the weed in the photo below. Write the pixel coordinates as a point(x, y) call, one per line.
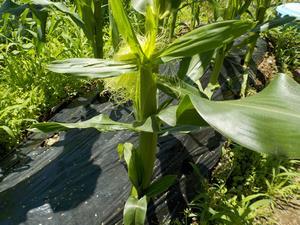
point(244, 188)
point(286, 47)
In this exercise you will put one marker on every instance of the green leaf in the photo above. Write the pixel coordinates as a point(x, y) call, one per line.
point(114, 33)
point(125, 27)
point(41, 17)
point(252, 197)
point(267, 122)
point(101, 122)
point(274, 23)
point(167, 6)
point(252, 36)
point(182, 117)
point(10, 7)
point(260, 203)
point(60, 7)
point(126, 149)
point(38, 14)
point(39, 10)
point(187, 115)
point(182, 129)
point(85, 9)
point(244, 7)
point(133, 162)
point(135, 211)
point(160, 186)
point(120, 150)
point(174, 117)
point(8, 131)
point(204, 39)
point(91, 68)
point(182, 114)
point(168, 115)
point(151, 29)
point(176, 88)
point(193, 68)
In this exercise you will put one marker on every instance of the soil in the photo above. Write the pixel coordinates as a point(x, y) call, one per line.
point(268, 66)
point(288, 214)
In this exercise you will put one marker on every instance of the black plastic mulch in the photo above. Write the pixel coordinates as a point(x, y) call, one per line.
point(80, 180)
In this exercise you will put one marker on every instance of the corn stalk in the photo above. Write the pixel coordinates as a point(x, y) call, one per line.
point(261, 8)
point(232, 10)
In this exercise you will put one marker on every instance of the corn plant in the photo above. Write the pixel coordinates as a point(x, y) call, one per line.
point(261, 8)
point(22, 10)
point(92, 15)
point(268, 122)
point(90, 18)
point(234, 9)
point(174, 12)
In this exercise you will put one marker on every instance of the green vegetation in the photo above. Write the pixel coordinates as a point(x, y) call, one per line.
point(28, 88)
point(286, 44)
point(46, 38)
point(245, 188)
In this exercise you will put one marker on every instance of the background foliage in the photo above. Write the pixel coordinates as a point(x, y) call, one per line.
point(27, 88)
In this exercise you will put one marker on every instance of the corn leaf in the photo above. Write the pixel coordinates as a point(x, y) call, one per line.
point(39, 9)
point(101, 122)
point(252, 36)
point(160, 186)
point(167, 6)
point(135, 169)
point(85, 10)
point(124, 26)
point(192, 68)
point(114, 32)
point(61, 7)
point(10, 7)
point(168, 115)
point(91, 68)
point(204, 39)
point(182, 114)
point(274, 23)
point(267, 122)
point(135, 211)
point(176, 88)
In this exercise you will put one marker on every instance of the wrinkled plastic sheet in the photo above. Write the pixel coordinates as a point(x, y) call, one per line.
point(77, 177)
